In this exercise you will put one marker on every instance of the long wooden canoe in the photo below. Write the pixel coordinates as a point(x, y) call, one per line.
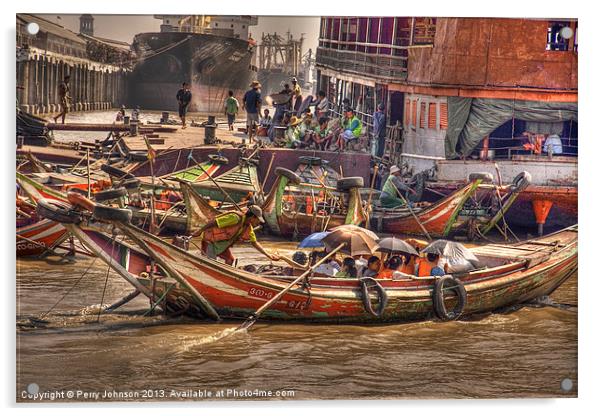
point(513, 274)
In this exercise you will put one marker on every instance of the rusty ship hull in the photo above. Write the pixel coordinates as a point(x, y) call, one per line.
point(211, 64)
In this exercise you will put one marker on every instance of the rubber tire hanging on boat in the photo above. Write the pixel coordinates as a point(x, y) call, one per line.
point(289, 174)
point(521, 181)
point(104, 212)
point(454, 284)
point(485, 177)
point(345, 184)
point(116, 172)
point(57, 211)
point(110, 194)
point(367, 283)
point(220, 160)
point(310, 160)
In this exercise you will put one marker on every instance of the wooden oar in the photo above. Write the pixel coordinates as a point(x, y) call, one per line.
point(426, 233)
point(253, 318)
point(369, 203)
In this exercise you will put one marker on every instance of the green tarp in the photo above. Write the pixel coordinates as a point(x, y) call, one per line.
point(471, 119)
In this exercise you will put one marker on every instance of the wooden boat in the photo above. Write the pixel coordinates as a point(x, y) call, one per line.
point(512, 274)
point(312, 199)
point(36, 235)
point(460, 211)
point(193, 211)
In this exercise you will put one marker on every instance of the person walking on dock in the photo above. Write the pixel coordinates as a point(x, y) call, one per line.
point(231, 109)
point(184, 96)
point(252, 103)
point(296, 95)
point(65, 96)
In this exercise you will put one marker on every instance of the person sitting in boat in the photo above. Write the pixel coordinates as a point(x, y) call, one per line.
point(393, 187)
point(348, 270)
point(393, 265)
point(328, 268)
point(221, 233)
point(429, 265)
point(372, 268)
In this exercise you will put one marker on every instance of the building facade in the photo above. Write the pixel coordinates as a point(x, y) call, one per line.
point(97, 67)
point(461, 91)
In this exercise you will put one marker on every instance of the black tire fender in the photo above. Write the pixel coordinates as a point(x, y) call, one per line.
point(485, 177)
point(345, 184)
point(218, 159)
point(418, 181)
point(110, 194)
point(289, 174)
point(57, 211)
point(448, 283)
point(116, 172)
point(521, 182)
point(106, 213)
point(131, 184)
point(310, 160)
point(366, 284)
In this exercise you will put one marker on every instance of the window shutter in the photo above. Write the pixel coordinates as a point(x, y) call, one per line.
point(423, 115)
point(432, 116)
point(414, 113)
point(443, 116)
point(406, 114)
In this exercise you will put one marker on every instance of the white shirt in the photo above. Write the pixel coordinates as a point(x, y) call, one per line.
point(330, 268)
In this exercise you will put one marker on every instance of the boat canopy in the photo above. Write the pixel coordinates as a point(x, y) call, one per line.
point(471, 119)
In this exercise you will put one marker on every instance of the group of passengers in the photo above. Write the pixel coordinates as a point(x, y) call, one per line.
point(395, 267)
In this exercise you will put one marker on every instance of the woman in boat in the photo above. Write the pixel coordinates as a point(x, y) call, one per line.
point(349, 270)
point(428, 264)
point(394, 264)
point(227, 229)
point(372, 268)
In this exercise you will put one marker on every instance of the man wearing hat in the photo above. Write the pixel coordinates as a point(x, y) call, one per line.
point(252, 103)
point(65, 97)
point(229, 228)
point(293, 132)
point(393, 187)
point(296, 95)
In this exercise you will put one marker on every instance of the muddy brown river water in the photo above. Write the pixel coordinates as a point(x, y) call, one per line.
point(520, 353)
point(525, 352)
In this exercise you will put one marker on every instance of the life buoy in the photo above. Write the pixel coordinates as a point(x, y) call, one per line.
point(366, 284)
point(448, 283)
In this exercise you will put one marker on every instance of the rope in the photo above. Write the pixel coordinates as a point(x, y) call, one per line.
point(106, 279)
point(72, 287)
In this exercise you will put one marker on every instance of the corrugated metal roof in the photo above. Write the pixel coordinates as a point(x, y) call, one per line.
point(49, 27)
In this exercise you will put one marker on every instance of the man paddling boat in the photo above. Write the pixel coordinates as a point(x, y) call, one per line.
point(227, 229)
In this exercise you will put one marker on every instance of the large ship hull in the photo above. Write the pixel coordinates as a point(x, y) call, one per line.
point(211, 64)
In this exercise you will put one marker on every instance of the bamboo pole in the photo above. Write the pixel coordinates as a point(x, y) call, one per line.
point(88, 171)
point(426, 233)
point(369, 203)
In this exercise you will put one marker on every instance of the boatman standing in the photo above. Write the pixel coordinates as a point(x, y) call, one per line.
point(65, 97)
point(227, 229)
point(389, 197)
point(184, 96)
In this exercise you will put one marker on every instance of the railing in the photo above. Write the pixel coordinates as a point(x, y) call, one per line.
point(365, 64)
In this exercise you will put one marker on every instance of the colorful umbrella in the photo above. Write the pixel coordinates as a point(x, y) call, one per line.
point(313, 240)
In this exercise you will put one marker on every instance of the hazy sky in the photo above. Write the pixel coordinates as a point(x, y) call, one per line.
point(124, 27)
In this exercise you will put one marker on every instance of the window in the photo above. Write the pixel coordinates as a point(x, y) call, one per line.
point(443, 116)
point(559, 36)
point(414, 113)
point(423, 115)
point(406, 115)
point(432, 124)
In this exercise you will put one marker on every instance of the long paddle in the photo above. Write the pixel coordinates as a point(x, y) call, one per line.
point(253, 318)
point(405, 201)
